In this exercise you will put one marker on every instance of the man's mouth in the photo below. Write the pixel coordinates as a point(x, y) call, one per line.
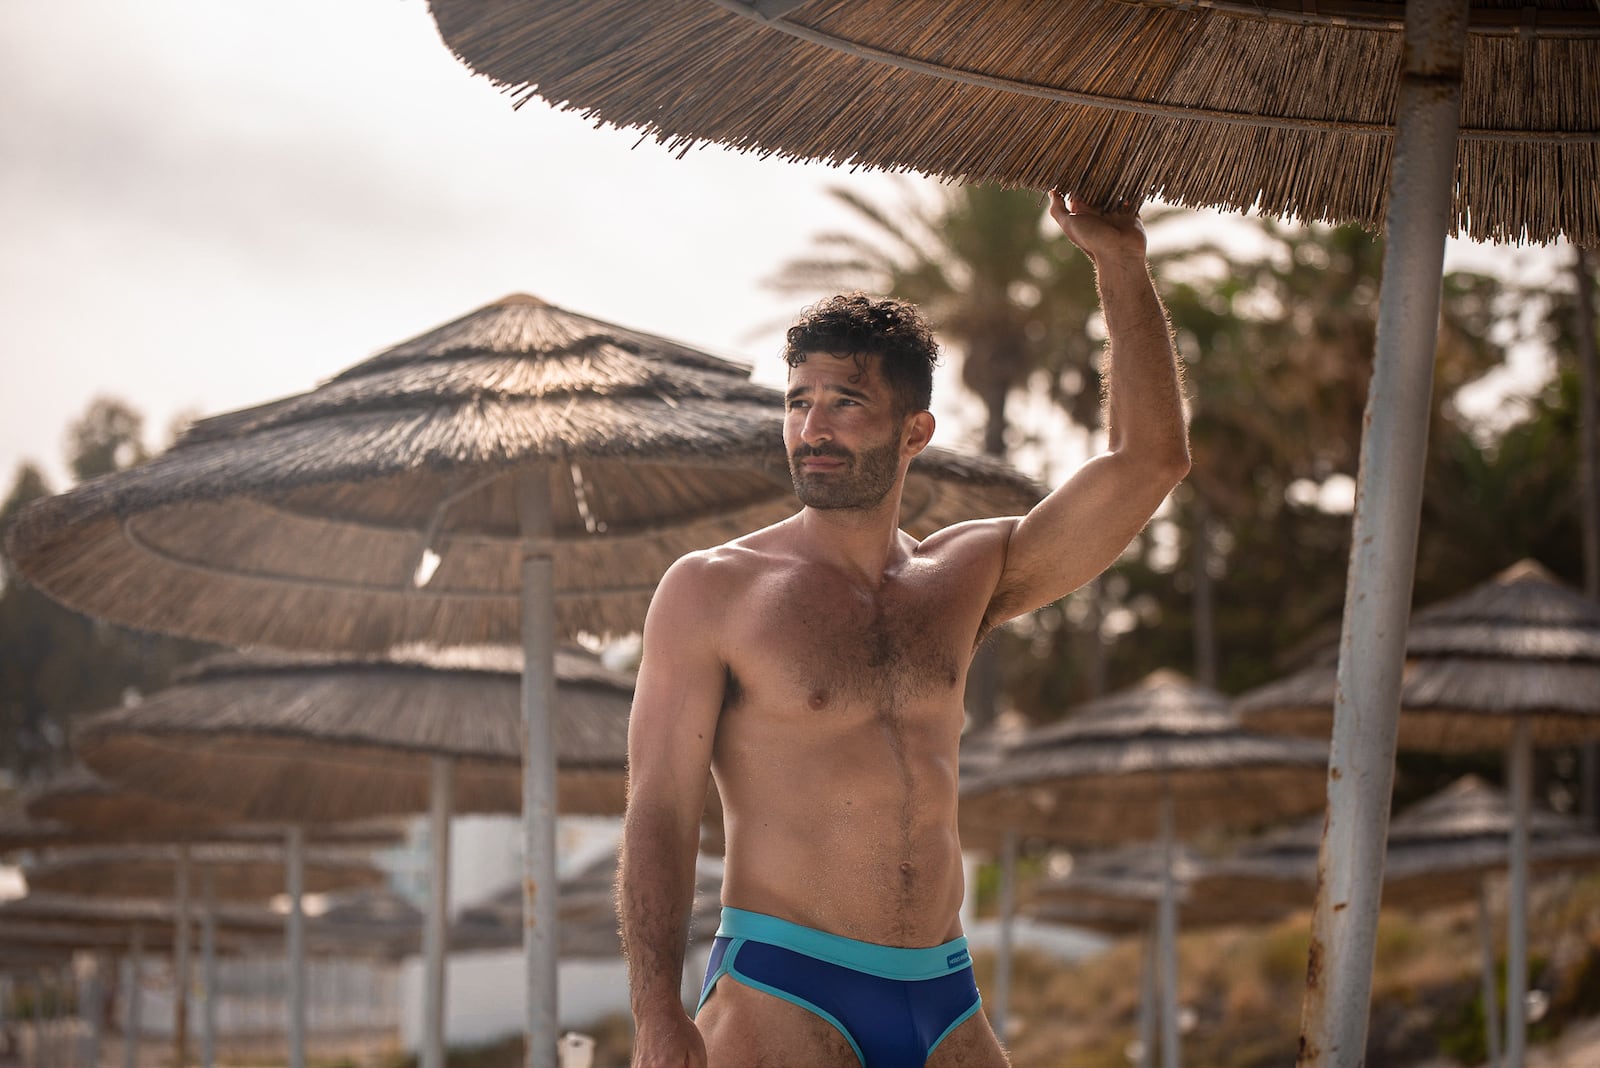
point(809, 460)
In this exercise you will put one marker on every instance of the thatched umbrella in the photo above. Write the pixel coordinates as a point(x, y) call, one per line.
point(519, 472)
point(77, 808)
point(1161, 759)
point(1442, 850)
point(1512, 663)
point(1434, 115)
point(1119, 892)
point(242, 873)
point(315, 739)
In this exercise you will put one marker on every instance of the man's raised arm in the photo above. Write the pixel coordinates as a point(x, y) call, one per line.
point(1084, 524)
point(677, 699)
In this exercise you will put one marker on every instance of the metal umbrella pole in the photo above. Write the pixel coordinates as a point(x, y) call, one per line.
point(438, 916)
point(134, 1006)
point(1519, 776)
point(1491, 1003)
point(1384, 541)
point(1167, 937)
point(295, 862)
point(208, 966)
point(538, 768)
point(1147, 998)
point(181, 951)
point(1008, 913)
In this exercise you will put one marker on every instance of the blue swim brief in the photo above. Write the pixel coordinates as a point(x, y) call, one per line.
point(894, 1006)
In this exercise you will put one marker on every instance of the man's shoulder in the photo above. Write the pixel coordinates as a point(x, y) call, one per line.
point(722, 569)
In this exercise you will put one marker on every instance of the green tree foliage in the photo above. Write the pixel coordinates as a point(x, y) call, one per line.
point(997, 280)
point(54, 663)
point(107, 437)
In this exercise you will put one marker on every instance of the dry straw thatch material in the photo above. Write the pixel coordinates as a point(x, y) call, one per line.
point(310, 522)
point(241, 873)
point(1440, 851)
point(78, 807)
point(1098, 778)
point(1118, 891)
point(1281, 107)
point(1519, 646)
point(299, 738)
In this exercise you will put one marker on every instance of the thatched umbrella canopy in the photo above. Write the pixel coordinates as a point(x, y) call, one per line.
point(78, 807)
point(519, 472)
point(1120, 892)
point(1441, 851)
point(302, 523)
point(242, 873)
point(1130, 880)
point(1098, 777)
point(308, 739)
point(1163, 758)
point(318, 739)
point(1519, 650)
point(1275, 107)
point(125, 913)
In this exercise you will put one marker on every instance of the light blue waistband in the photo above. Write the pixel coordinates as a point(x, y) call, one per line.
point(889, 962)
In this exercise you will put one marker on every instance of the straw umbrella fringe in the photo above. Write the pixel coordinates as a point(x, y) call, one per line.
point(323, 739)
point(1267, 107)
point(243, 873)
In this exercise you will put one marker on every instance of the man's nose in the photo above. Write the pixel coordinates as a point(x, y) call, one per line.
point(815, 430)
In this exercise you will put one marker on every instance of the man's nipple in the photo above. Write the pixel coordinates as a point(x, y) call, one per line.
point(818, 700)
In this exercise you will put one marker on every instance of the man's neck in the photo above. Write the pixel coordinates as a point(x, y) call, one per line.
point(865, 542)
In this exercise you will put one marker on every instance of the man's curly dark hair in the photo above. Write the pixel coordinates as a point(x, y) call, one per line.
point(854, 324)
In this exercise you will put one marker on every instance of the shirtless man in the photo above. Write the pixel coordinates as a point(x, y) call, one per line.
point(816, 668)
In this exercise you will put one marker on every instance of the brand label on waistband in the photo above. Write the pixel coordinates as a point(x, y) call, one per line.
point(958, 957)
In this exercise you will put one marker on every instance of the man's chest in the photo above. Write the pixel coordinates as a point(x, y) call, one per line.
point(809, 639)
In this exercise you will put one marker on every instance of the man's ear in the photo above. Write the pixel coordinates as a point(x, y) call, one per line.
point(916, 432)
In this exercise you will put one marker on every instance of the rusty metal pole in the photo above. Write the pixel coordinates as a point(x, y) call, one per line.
point(1377, 609)
point(538, 768)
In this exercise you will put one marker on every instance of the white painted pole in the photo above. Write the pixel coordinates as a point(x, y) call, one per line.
point(434, 955)
point(1519, 782)
point(1377, 604)
point(181, 947)
point(1008, 911)
point(538, 768)
point(1147, 998)
point(208, 978)
point(1167, 936)
point(97, 1009)
point(1491, 1003)
point(296, 865)
point(134, 999)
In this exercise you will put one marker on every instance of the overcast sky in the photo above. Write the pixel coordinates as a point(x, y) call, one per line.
point(206, 204)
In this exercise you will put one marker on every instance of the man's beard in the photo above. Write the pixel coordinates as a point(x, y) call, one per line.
point(863, 482)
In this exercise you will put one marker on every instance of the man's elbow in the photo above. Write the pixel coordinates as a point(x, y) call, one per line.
point(1165, 467)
